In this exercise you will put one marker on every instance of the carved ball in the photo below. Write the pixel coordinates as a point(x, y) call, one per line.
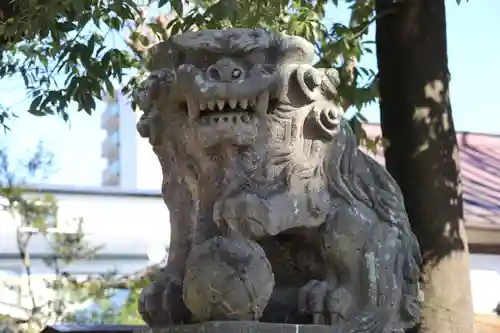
point(227, 279)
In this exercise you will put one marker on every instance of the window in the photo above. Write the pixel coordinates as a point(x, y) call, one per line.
point(115, 136)
point(114, 167)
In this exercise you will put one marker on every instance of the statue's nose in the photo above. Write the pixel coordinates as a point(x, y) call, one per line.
point(225, 70)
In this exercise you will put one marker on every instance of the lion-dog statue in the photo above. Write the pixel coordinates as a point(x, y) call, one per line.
point(251, 138)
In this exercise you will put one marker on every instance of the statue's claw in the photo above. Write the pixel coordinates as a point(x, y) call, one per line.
point(160, 303)
point(326, 304)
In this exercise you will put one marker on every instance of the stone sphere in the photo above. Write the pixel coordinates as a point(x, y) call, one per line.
point(227, 279)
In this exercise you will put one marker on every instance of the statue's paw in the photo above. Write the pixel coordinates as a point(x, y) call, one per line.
point(326, 304)
point(161, 304)
point(246, 213)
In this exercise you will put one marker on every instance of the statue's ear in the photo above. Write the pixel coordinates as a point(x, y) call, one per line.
point(296, 50)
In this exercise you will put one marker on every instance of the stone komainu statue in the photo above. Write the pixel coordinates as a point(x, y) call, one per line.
point(266, 187)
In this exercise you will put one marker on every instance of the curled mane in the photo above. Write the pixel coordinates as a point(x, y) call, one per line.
point(355, 176)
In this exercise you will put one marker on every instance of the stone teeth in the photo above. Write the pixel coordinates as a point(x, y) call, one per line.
point(211, 105)
point(244, 104)
point(203, 105)
point(220, 104)
point(253, 101)
point(233, 103)
point(193, 108)
point(262, 103)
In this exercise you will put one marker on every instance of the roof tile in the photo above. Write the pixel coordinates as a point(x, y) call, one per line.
point(480, 173)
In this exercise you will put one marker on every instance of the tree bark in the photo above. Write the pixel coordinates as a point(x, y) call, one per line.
point(422, 153)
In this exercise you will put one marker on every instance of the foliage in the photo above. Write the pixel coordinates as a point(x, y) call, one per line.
point(64, 58)
point(60, 51)
point(55, 297)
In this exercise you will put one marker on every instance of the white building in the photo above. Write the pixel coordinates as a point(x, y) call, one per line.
point(131, 226)
point(131, 163)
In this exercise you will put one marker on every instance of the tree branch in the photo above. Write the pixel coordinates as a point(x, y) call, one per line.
point(124, 281)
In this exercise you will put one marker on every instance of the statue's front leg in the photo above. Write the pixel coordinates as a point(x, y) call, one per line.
point(160, 302)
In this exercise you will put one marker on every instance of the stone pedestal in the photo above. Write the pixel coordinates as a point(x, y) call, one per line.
point(94, 329)
point(207, 327)
point(244, 327)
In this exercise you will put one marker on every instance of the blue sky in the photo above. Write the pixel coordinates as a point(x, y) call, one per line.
point(473, 61)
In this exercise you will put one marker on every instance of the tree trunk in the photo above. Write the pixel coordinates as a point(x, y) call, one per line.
point(423, 155)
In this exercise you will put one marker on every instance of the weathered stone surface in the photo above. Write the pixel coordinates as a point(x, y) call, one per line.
point(94, 329)
point(253, 145)
point(228, 278)
point(243, 327)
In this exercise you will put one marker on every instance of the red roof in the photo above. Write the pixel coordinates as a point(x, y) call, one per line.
point(480, 172)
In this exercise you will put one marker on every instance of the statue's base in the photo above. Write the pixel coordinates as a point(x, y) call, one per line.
point(243, 327)
point(207, 327)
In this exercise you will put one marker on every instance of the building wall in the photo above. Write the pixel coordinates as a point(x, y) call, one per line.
point(485, 280)
point(131, 229)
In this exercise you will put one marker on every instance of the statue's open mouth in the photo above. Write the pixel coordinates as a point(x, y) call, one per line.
point(228, 110)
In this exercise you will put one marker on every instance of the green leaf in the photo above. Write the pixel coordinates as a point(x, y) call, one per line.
point(33, 109)
point(109, 87)
point(70, 50)
point(177, 5)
